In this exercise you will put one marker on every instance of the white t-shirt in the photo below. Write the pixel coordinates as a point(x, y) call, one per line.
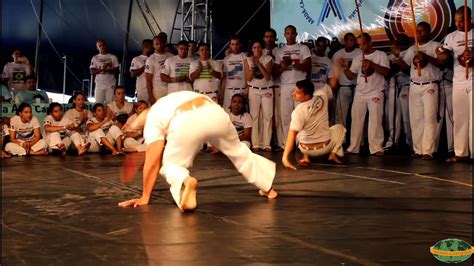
point(102, 61)
point(153, 65)
point(233, 67)
point(348, 56)
point(206, 82)
point(241, 122)
point(105, 127)
point(126, 109)
point(311, 119)
point(161, 113)
point(176, 67)
point(127, 127)
point(401, 77)
point(455, 42)
point(429, 72)
point(297, 53)
point(76, 117)
point(258, 79)
point(16, 74)
point(137, 63)
point(321, 70)
point(375, 82)
point(24, 131)
point(49, 120)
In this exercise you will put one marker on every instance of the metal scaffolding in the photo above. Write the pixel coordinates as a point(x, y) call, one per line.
point(192, 21)
point(149, 18)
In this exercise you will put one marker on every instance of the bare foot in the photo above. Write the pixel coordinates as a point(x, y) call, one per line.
point(270, 194)
point(83, 149)
point(188, 199)
point(5, 155)
point(40, 152)
point(456, 159)
point(304, 163)
point(333, 157)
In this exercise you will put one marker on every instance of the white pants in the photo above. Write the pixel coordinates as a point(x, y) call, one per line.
point(16, 149)
point(261, 102)
point(181, 86)
point(360, 105)
point(423, 101)
point(338, 135)
point(159, 91)
point(97, 136)
point(343, 101)
point(142, 94)
point(462, 114)
point(54, 140)
point(228, 93)
point(210, 123)
point(401, 115)
point(277, 115)
point(104, 93)
point(210, 94)
point(287, 105)
point(138, 144)
point(446, 114)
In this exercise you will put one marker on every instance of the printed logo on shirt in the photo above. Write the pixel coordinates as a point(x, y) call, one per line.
point(239, 126)
point(181, 69)
point(317, 105)
point(18, 76)
point(235, 68)
point(431, 91)
point(319, 74)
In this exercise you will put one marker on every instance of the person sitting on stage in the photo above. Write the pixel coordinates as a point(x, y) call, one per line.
point(102, 131)
point(134, 141)
point(25, 134)
point(310, 125)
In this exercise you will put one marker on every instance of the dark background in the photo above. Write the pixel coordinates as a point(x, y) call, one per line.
point(73, 26)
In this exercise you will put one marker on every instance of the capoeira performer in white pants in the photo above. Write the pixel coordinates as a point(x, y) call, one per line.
point(292, 63)
point(205, 73)
point(60, 131)
point(170, 119)
point(424, 92)
point(462, 87)
point(370, 74)
point(310, 125)
point(397, 111)
point(346, 86)
point(233, 72)
point(154, 64)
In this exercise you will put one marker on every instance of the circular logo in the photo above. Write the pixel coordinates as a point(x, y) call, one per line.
point(451, 250)
point(438, 13)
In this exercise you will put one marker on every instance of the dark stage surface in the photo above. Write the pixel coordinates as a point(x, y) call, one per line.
point(388, 211)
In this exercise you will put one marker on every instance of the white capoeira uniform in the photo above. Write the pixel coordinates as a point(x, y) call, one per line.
point(241, 122)
point(297, 53)
point(206, 83)
point(209, 123)
point(261, 104)
point(368, 97)
point(280, 141)
point(76, 117)
point(104, 82)
point(138, 142)
point(321, 70)
point(446, 109)
point(108, 130)
point(24, 131)
point(235, 82)
point(423, 100)
point(397, 111)
point(140, 86)
point(127, 108)
point(462, 95)
point(311, 120)
point(16, 74)
point(177, 67)
point(65, 136)
point(346, 87)
point(153, 65)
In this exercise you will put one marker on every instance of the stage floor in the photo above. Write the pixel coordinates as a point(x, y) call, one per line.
point(372, 210)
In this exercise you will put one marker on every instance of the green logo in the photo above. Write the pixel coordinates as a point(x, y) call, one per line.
point(452, 250)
